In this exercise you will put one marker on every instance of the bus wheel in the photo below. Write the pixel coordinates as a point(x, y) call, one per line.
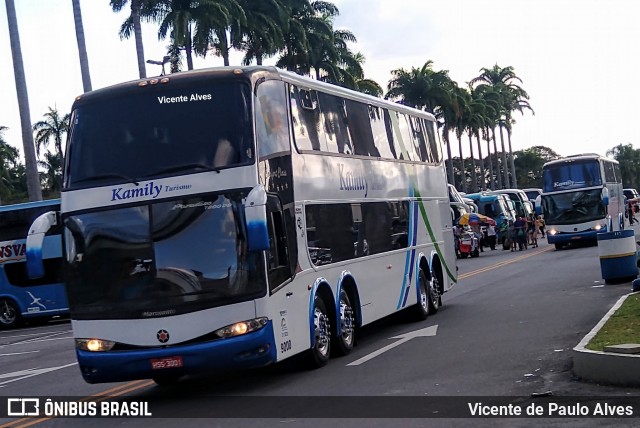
point(421, 310)
point(558, 246)
point(319, 354)
point(435, 300)
point(9, 314)
point(345, 340)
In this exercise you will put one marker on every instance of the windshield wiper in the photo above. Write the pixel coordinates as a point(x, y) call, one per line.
point(109, 175)
point(186, 167)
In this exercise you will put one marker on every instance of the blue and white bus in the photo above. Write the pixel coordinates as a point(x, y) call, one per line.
point(235, 217)
point(581, 196)
point(22, 298)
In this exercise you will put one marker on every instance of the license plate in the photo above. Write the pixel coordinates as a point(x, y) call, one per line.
point(166, 363)
point(576, 237)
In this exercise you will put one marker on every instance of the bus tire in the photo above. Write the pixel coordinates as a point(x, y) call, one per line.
point(421, 309)
point(558, 246)
point(318, 355)
point(9, 314)
point(435, 299)
point(345, 340)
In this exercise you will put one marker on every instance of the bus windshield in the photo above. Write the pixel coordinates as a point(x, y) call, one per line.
point(160, 130)
point(573, 207)
point(565, 176)
point(167, 258)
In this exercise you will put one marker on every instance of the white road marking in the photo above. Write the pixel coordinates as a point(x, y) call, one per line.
point(24, 374)
point(18, 353)
point(424, 332)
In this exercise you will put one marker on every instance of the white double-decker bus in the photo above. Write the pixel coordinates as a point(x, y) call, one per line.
point(235, 217)
point(581, 196)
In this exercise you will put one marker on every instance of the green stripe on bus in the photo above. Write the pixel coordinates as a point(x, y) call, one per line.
point(423, 212)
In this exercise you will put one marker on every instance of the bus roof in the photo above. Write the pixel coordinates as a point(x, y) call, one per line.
point(254, 73)
point(25, 205)
point(577, 158)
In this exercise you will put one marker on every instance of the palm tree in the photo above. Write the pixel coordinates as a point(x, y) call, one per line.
point(33, 183)
point(430, 90)
point(502, 80)
point(517, 101)
point(52, 127)
point(9, 157)
point(82, 48)
point(192, 24)
point(261, 35)
point(310, 26)
point(132, 22)
point(52, 176)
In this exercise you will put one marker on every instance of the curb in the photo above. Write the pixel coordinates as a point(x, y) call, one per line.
point(606, 367)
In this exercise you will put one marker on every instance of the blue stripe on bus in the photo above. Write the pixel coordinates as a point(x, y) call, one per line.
point(408, 264)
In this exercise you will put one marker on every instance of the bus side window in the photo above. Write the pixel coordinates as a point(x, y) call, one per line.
point(306, 120)
point(278, 255)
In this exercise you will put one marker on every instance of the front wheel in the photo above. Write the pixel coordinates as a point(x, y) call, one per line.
point(9, 314)
point(318, 355)
point(346, 338)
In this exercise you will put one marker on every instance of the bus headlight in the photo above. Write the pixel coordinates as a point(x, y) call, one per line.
point(94, 345)
point(242, 327)
point(597, 227)
point(553, 232)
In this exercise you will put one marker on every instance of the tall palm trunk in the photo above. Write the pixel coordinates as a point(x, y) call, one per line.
point(505, 165)
point(463, 172)
point(474, 176)
point(31, 164)
point(450, 168)
point(224, 45)
point(495, 149)
point(188, 50)
point(483, 183)
point(82, 48)
point(513, 164)
point(492, 185)
point(137, 31)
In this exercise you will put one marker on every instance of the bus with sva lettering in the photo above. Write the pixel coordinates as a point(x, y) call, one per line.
point(581, 196)
point(23, 298)
point(236, 217)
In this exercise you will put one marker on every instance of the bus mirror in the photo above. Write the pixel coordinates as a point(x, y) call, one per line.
point(255, 214)
point(35, 239)
point(605, 196)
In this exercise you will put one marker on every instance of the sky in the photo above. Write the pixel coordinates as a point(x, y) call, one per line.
point(578, 59)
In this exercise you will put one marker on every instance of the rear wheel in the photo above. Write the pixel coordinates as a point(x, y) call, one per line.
point(421, 309)
point(435, 299)
point(346, 338)
point(9, 314)
point(318, 355)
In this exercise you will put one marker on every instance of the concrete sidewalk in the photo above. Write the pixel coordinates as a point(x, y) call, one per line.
point(610, 368)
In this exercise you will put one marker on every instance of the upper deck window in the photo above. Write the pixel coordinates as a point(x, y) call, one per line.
point(159, 131)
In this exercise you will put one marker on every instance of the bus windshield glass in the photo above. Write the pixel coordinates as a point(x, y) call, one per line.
point(160, 130)
point(571, 175)
point(167, 258)
point(573, 207)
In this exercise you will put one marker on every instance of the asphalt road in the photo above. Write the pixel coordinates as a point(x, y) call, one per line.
point(505, 330)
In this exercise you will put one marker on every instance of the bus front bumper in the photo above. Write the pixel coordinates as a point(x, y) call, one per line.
point(255, 349)
point(569, 237)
